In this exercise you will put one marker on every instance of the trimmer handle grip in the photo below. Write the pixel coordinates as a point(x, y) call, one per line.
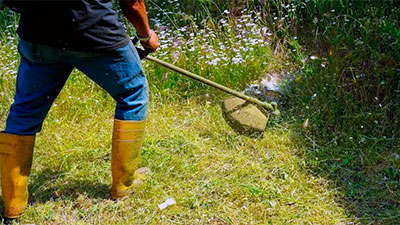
point(142, 53)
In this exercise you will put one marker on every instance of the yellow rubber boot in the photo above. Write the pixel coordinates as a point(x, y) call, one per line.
point(15, 161)
point(126, 144)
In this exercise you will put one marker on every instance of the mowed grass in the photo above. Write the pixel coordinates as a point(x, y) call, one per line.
point(215, 175)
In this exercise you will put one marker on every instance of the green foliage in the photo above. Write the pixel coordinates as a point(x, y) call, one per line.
point(358, 44)
point(347, 88)
point(8, 23)
point(221, 48)
point(352, 78)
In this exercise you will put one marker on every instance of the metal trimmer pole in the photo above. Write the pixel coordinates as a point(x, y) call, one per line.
point(269, 106)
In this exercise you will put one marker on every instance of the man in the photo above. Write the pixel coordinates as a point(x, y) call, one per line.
point(55, 38)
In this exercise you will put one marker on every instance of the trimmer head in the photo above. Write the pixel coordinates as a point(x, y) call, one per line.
point(244, 117)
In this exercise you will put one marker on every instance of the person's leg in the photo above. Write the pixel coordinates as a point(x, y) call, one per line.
point(120, 73)
point(41, 76)
point(39, 80)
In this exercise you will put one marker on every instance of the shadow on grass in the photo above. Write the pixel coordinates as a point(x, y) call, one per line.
point(366, 178)
point(43, 187)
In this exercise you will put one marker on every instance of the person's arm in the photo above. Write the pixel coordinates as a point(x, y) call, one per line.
point(135, 12)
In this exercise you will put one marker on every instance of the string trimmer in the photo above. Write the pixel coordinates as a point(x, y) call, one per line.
point(245, 114)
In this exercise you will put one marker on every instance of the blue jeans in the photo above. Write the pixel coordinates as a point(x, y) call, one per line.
point(44, 70)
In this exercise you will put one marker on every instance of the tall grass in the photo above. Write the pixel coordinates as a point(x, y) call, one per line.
point(353, 74)
point(347, 89)
point(233, 51)
point(358, 44)
point(8, 22)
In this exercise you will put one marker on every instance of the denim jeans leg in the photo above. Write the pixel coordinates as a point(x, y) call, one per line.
point(120, 73)
point(38, 84)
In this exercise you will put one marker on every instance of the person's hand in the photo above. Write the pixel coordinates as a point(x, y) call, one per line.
point(151, 44)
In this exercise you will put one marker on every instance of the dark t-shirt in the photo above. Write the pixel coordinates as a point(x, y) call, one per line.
point(78, 25)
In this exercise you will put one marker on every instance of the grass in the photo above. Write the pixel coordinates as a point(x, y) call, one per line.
point(215, 175)
point(341, 167)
